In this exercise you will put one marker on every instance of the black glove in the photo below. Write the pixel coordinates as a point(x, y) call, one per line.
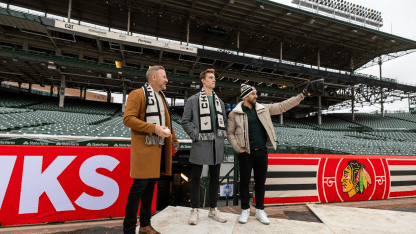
point(315, 87)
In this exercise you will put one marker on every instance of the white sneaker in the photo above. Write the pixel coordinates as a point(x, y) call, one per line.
point(193, 217)
point(216, 215)
point(244, 216)
point(262, 216)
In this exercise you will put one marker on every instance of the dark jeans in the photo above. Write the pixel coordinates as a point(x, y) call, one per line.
point(257, 160)
point(142, 189)
point(214, 171)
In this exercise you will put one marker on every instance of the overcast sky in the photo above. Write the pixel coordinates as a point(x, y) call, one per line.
point(399, 16)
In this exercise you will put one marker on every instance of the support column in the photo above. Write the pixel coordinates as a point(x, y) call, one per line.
point(238, 43)
point(108, 96)
point(281, 51)
point(123, 105)
point(81, 54)
point(62, 91)
point(186, 97)
point(187, 32)
point(128, 17)
point(51, 91)
point(408, 97)
point(25, 44)
point(80, 93)
point(319, 110)
point(69, 11)
point(281, 119)
point(381, 89)
point(20, 86)
point(30, 88)
point(352, 104)
point(319, 59)
point(382, 102)
point(85, 93)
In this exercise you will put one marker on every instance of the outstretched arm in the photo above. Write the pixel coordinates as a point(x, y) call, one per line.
point(281, 107)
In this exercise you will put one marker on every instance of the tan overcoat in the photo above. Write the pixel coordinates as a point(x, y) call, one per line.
point(145, 159)
point(237, 127)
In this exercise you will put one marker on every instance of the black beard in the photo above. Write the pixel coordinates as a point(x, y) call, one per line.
point(252, 104)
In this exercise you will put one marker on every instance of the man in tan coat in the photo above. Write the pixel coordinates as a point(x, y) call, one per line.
point(250, 129)
point(152, 136)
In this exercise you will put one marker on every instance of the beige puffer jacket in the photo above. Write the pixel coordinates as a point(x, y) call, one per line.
point(237, 131)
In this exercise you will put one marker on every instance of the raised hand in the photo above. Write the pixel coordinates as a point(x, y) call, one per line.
point(315, 87)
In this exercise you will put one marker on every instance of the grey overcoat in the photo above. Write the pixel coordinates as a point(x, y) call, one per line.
point(202, 152)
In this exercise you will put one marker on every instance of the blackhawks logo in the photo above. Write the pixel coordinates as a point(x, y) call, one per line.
point(355, 178)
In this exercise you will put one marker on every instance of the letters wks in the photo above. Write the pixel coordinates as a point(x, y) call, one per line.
point(36, 181)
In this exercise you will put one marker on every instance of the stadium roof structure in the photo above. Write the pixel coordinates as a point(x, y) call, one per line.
point(261, 26)
point(46, 51)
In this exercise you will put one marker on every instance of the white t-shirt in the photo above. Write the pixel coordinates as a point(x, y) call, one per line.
point(162, 108)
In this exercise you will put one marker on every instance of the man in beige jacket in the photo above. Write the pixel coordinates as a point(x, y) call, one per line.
point(250, 129)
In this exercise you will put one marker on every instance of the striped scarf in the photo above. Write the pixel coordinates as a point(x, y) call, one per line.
point(206, 130)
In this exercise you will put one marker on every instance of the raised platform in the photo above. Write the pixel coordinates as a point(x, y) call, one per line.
point(174, 220)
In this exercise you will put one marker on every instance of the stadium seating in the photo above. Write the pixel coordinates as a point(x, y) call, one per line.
point(180, 133)
point(403, 116)
point(63, 117)
point(79, 106)
point(10, 99)
point(176, 117)
point(289, 122)
point(396, 136)
point(377, 121)
point(20, 120)
point(338, 134)
point(328, 122)
point(342, 142)
point(5, 110)
point(48, 122)
point(18, 14)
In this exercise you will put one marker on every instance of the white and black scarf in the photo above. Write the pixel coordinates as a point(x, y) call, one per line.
point(206, 130)
point(153, 113)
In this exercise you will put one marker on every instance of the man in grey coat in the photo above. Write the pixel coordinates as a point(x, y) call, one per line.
point(204, 120)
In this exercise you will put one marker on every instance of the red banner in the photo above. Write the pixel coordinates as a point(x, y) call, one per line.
point(300, 178)
point(53, 183)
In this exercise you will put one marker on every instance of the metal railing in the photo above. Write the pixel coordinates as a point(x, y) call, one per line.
point(236, 170)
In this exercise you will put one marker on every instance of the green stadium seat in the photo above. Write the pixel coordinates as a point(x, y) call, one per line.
point(32, 17)
point(4, 11)
point(17, 14)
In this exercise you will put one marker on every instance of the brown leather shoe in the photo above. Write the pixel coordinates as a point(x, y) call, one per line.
point(148, 230)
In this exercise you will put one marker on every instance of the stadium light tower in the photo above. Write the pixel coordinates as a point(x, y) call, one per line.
point(345, 10)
